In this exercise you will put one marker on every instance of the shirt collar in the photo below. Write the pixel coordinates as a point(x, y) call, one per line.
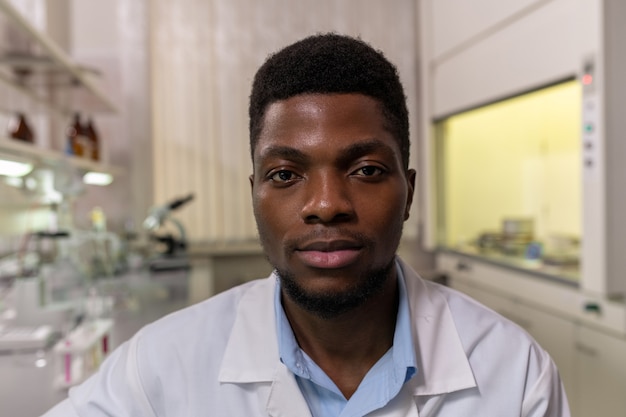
point(251, 356)
point(403, 351)
point(288, 349)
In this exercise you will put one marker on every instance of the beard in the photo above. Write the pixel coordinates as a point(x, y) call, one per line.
point(331, 304)
point(328, 305)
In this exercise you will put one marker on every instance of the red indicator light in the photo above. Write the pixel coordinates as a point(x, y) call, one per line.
point(587, 79)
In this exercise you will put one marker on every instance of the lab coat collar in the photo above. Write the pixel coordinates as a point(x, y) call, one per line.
point(252, 350)
point(443, 366)
point(251, 355)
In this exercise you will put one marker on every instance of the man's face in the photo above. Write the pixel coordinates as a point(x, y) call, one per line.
point(330, 196)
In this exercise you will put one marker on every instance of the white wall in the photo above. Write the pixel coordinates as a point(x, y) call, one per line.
point(204, 55)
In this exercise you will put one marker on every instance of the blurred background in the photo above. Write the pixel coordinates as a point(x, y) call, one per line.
point(124, 164)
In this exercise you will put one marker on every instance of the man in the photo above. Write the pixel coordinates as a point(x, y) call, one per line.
point(342, 327)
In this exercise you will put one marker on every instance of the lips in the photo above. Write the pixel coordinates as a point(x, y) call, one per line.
point(329, 254)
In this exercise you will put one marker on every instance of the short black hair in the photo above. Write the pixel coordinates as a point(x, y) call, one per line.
point(330, 63)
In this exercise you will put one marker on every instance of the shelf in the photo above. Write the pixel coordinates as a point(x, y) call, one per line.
point(569, 276)
point(52, 158)
point(34, 66)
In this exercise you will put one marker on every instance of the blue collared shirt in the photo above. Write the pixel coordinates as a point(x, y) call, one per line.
point(381, 384)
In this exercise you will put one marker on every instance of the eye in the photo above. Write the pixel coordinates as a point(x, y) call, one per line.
point(282, 176)
point(369, 171)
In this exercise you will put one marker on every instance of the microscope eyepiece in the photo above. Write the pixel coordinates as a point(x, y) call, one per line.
point(180, 201)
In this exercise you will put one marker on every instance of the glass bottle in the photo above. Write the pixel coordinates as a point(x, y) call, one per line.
point(94, 139)
point(20, 130)
point(76, 139)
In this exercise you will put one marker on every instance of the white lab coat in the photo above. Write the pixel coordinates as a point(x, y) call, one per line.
point(220, 358)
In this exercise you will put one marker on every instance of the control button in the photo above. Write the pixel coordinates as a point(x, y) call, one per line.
point(592, 307)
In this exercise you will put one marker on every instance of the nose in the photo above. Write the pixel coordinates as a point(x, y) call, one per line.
point(327, 199)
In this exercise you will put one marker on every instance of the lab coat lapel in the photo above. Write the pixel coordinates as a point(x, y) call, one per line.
point(443, 366)
point(286, 399)
point(251, 355)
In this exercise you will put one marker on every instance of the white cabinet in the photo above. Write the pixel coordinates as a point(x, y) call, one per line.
point(561, 297)
point(556, 335)
point(601, 371)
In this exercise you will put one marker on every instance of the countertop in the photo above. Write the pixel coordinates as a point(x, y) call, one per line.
point(139, 297)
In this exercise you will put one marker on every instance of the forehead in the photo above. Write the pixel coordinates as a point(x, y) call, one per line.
point(326, 121)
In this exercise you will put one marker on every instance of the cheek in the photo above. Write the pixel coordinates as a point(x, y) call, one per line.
point(269, 214)
point(260, 213)
point(385, 208)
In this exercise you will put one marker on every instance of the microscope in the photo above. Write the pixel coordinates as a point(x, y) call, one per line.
point(173, 249)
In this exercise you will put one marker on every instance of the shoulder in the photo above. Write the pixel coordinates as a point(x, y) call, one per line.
point(483, 332)
point(493, 343)
point(181, 354)
point(502, 354)
point(211, 318)
point(176, 357)
point(476, 323)
point(512, 374)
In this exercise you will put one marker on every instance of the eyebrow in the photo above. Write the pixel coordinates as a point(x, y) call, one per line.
point(360, 149)
point(346, 155)
point(285, 152)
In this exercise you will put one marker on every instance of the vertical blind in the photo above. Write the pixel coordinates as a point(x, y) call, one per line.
point(203, 56)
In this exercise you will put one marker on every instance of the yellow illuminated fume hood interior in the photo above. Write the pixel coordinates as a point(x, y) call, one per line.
point(516, 159)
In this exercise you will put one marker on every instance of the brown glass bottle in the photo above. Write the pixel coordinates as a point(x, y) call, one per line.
point(76, 139)
point(20, 130)
point(94, 139)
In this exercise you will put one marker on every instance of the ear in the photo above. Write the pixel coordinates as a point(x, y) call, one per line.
point(251, 178)
point(410, 183)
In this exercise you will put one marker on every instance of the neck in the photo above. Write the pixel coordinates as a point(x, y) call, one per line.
point(347, 346)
